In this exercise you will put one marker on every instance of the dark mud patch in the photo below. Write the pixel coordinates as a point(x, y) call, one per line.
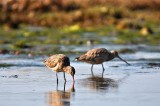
point(6, 65)
point(154, 64)
point(4, 51)
point(151, 66)
point(11, 76)
point(114, 66)
point(143, 72)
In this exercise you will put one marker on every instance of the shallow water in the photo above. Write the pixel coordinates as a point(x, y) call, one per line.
point(26, 81)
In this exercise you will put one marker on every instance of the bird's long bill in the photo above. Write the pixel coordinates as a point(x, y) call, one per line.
point(73, 78)
point(73, 89)
point(123, 60)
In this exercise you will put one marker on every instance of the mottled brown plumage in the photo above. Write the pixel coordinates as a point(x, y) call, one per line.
point(60, 63)
point(98, 56)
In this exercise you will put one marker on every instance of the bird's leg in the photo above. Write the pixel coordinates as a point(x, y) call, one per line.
point(103, 70)
point(64, 86)
point(57, 78)
point(64, 77)
point(57, 87)
point(103, 67)
point(92, 70)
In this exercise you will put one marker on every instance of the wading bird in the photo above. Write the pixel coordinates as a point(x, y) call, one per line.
point(60, 63)
point(98, 56)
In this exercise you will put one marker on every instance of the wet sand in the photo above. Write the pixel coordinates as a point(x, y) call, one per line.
point(27, 82)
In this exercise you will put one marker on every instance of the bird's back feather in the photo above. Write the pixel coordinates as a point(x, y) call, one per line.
point(58, 59)
point(95, 56)
point(97, 52)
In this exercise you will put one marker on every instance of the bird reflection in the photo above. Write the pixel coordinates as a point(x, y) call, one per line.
point(60, 97)
point(100, 83)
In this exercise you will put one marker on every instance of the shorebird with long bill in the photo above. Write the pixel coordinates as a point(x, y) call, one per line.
point(98, 56)
point(60, 63)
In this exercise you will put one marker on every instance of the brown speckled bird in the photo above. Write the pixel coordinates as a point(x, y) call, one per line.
point(60, 63)
point(98, 56)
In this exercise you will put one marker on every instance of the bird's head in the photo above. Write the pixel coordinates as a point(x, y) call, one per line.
point(115, 54)
point(70, 70)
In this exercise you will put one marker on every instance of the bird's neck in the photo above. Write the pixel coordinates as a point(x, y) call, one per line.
point(111, 56)
point(65, 69)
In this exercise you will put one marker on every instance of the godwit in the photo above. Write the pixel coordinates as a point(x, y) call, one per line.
point(98, 56)
point(60, 63)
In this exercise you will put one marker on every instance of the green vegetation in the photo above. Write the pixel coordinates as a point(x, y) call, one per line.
point(27, 37)
point(74, 23)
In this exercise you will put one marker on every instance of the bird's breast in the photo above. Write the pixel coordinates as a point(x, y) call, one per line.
point(95, 61)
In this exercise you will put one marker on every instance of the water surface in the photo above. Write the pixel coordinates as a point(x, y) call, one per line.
point(26, 81)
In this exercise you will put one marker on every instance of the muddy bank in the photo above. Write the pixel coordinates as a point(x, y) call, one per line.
point(68, 12)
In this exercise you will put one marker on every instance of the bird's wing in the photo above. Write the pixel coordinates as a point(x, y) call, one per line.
point(60, 59)
point(98, 53)
point(52, 61)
